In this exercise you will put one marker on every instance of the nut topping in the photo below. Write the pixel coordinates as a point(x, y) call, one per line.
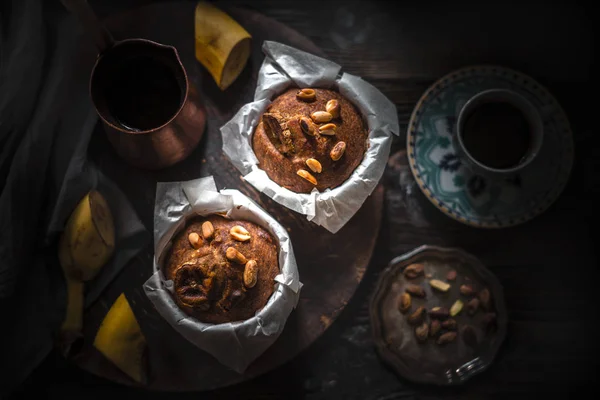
point(404, 303)
point(413, 271)
point(306, 175)
point(307, 95)
point(314, 165)
point(467, 290)
point(434, 327)
point(333, 108)
point(327, 129)
point(456, 308)
point(446, 338)
point(417, 316)
point(439, 285)
point(239, 233)
point(415, 290)
point(195, 240)
point(321, 117)
point(422, 332)
point(250, 273)
point(338, 151)
point(307, 126)
point(439, 313)
point(208, 230)
point(450, 324)
point(233, 255)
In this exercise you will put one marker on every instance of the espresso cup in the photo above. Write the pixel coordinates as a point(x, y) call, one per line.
point(498, 133)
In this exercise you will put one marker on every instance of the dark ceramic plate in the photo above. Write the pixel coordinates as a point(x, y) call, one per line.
point(429, 362)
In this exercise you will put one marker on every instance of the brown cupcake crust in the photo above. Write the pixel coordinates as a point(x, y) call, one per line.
point(206, 272)
point(282, 168)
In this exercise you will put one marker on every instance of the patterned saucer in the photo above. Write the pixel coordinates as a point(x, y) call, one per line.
point(471, 198)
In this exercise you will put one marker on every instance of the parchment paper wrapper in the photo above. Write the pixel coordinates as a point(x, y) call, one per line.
point(234, 344)
point(286, 67)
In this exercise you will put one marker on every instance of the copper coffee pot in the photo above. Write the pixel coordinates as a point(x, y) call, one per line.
point(151, 145)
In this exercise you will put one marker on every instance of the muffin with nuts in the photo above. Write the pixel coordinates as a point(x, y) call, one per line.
point(310, 138)
point(222, 270)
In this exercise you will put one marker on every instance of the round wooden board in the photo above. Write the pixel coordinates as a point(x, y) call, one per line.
point(331, 266)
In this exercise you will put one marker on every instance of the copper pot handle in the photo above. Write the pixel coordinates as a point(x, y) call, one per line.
point(83, 11)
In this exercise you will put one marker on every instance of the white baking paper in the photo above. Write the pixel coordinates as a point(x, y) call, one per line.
point(285, 67)
point(234, 344)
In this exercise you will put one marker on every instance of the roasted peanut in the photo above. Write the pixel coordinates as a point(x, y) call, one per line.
point(333, 108)
point(327, 129)
point(439, 285)
point(446, 338)
point(413, 271)
point(439, 313)
point(250, 273)
point(195, 240)
point(473, 306)
point(415, 290)
point(321, 117)
point(404, 303)
point(456, 308)
point(449, 324)
point(306, 175)
point(422, 332)
point(240, 233)
point(306, 95)
point(417, 316)
point(233, 255)
point(467, 290)
point(451, 275)
point(485, 299)
point(208, 230)
point(307, 126)
point(314, 165)
point(338, 151)
point(434, 327)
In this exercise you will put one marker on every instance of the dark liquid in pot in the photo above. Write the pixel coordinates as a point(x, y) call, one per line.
point(144, 93)
point(497, 135)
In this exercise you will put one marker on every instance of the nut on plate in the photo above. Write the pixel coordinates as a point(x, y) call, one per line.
point(306, 175)
point(208, 230)
point(233, 255)
point(434, 327)
point(456, 308)
point(439, 313)
point(240, 233)
point(467, 290)
point(413, 271)
point(321, 117)
point(439, 285)
point(446, 338)
point(338, 151)
point(404, 302)
point(250, 273)
point(415, 290)
point(333, 108)
point(195, 240)
point(314, 165)
point(417, 316)
point(422, 332)
point(306, 94)
point(450, 324)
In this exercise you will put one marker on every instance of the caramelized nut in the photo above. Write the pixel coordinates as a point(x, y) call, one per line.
point(467, 290)
point(473, 306)
point(449, 324)
point(306, 94)
point(413, 271)
point(333, 108)
point(456, 308)
point(233, 255)
point(446, 338)
point(195, 240)
point(314, 165)
point(327, 129)
point(404, 303)
point(417, 316)
point(415, 290)
point(320, 117)
point(306, 175)
point(250, 274)
point(485, 299)
point(307, 126)
point(439, 313)
point(422, 332)
point(208, 230)
point(240, 233)
point(338, 151)
point(451, 275)
point(434, 327)
point(439, 285)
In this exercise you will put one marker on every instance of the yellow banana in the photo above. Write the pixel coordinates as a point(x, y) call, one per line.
point(121, 340)
point(222, 45)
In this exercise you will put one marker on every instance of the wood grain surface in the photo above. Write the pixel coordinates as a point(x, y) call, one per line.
point(548, 266)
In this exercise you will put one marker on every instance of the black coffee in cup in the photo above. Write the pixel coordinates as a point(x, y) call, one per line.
point(497, 134)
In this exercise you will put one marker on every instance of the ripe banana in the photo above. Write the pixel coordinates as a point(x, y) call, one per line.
point(86, 244)
point(120, 339)
point(222, 45)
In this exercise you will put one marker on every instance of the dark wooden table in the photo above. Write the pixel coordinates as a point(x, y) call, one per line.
point(548, 266)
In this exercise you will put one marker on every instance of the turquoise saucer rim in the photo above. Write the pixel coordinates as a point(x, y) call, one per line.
point(518, 78)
